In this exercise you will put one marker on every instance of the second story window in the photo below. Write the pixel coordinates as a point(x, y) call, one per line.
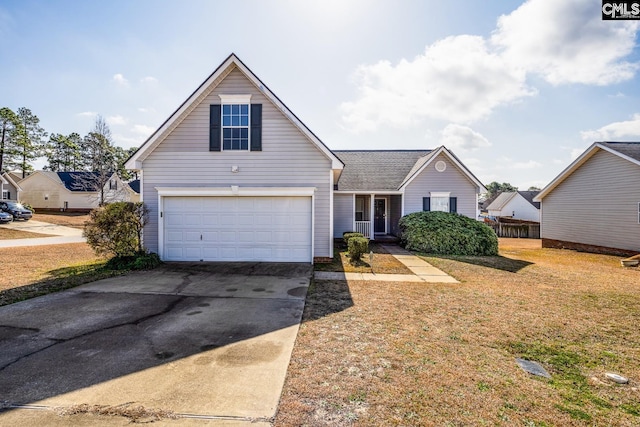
point(235, 127)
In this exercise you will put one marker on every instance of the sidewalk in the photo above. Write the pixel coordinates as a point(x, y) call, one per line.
point(422, 271)
point(59, 234)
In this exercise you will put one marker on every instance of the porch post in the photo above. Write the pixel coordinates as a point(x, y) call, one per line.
point(372, 220)
point(353, 212)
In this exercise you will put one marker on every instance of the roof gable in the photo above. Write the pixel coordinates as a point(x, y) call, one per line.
point(231, 63)
point(529, 196)
point(135, 185)
point(501, 201)
point(629, 151)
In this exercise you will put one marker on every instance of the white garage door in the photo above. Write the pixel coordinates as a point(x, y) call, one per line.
point(273, 229)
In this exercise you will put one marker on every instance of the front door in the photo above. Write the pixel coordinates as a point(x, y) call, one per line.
point(380, 216)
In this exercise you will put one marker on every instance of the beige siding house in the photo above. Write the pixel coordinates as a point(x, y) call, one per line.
point(69, 191)
point(234, 175)
point(594, 204)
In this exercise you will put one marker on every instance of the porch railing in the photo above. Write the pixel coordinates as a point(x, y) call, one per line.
point(364, 227)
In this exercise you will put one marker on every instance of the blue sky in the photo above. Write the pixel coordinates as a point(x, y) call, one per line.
point(516, 89)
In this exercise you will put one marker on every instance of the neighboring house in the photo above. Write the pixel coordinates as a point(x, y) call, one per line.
point(594, 204)
point(516, 205)
point(9, 188)
point(377, 188)
point(234, 175)
point(134, 190)
point(79, 191)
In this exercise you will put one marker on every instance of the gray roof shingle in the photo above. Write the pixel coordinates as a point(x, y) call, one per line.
point(529, 195)
point(631, 149)
point(373, 170)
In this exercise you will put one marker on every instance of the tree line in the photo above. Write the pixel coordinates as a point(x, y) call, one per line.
point(23, 141)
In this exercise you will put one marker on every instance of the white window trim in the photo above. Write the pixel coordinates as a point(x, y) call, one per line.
point(235, 99)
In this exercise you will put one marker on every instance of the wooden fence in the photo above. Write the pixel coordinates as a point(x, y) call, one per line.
point(513, 228)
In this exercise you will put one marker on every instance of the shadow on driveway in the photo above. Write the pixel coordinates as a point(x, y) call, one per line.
point(204, 338)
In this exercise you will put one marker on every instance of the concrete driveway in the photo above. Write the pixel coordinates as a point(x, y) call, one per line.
point(206, 340)
point(59, 234)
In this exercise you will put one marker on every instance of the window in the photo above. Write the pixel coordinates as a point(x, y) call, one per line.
point(113, 184)
point(440, 202)
point(235, 127)
point(5, 195)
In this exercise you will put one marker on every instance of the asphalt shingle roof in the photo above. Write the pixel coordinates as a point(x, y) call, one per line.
point(135, 185)
point(631, 149)
point(81, 181)
point(369, 170)
point(529, 195)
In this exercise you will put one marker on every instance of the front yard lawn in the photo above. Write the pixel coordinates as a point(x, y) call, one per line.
point(383, 262)
point(388, 353)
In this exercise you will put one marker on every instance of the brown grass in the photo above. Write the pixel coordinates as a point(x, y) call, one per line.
point(68, 219)
point(136, 414)
point(8, 234)
point(373, 353)
point(383, 262)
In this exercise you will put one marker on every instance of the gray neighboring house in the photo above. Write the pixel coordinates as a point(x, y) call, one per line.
point(594, 204)
point(9, 187)
point(234, 175)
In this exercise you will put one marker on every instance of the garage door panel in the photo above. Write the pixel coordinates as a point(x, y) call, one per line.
point(237, 229)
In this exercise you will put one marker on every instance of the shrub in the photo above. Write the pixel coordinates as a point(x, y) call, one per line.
point(447, 233)
point(357, 246)
point(139, 261)
point(116, 229)
point(346, 236)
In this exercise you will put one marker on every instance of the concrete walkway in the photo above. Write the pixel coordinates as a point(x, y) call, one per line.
point(59, 234)
point(422, 271)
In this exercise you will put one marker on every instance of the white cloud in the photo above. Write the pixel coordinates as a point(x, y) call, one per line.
point(87, 114)
point(615, 130)
point(456, 79)
point(116, 120)
point(149, 80)
point(120, 80)
point(531, 164)
point(567, 42)
point(575, 153)
point(128, 141)
point(462, 138)
point(143, 130)
point(146, 109)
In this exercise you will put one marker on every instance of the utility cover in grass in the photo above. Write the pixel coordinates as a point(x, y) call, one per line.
point(534, 368)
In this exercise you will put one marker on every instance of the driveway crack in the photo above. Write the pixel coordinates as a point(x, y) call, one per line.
point(135, 322)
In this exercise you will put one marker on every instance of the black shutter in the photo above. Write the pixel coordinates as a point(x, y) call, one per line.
point(214, 127)
point(256, 127)
point(453, 204)
point(9, 195)
point(426, 204)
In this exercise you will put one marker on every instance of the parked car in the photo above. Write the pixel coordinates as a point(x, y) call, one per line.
point(16, 209)
point(5, 217)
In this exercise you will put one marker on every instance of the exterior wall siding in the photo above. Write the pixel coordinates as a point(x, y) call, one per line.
point(395, 213)
point(452, 180)
point(518, 208)
point(287, 159)
point(343, 214)
point(596, 205)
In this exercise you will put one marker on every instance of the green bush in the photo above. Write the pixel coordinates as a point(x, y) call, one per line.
point(139, 261)
point(447, 233)
point(116, 229)
point(347, 235)
point(357, 246)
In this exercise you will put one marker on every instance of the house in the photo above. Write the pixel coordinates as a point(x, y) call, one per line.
point(377, 188)
point(516, 205)
point(234, 175)
point(75, 191)
point(9, 188)
point(594, 204)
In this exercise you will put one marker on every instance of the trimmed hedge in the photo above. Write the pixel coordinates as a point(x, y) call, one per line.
point(357, 246)
point(348, 235)
point(447, 233)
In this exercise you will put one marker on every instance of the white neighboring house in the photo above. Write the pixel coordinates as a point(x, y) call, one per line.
point(79, 191)
point(9, 188)
point(516, 205)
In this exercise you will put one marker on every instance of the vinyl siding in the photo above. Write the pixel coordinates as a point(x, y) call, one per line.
point(521, 207)
point(287, 159)
point(343, 214)
point(596, 205)
point(452, 180)
point(395, 213)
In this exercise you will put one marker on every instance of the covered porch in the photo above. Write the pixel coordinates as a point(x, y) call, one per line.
point(377, 215)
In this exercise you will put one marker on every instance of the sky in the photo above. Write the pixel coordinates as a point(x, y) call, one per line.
point(516, 89)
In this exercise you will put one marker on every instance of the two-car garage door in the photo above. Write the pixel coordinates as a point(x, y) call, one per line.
point(271, 229)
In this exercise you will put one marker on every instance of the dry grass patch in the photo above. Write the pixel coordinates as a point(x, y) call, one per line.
point(68, 219)
point(134, 413)
point(26, 272)
point(383, 262)
point(374, 353)
point(8, 234)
